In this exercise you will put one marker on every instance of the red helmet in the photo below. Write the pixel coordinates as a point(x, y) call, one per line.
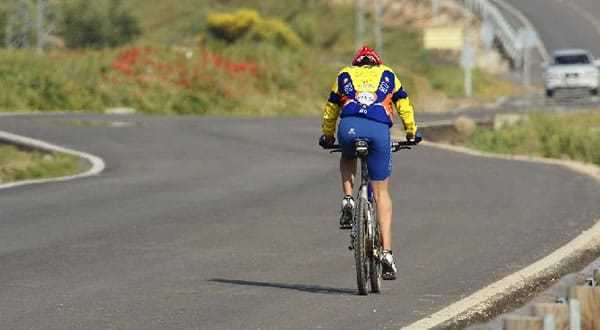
point(366, 56)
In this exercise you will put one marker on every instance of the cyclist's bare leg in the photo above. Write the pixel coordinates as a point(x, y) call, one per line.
point(348, 170)
point(384, 211)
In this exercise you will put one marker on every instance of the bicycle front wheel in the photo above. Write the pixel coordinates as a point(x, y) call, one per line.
point(360, 247)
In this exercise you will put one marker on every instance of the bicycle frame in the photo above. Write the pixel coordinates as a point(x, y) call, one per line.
point(364, 233)
point(362, 151)
point(365, 191)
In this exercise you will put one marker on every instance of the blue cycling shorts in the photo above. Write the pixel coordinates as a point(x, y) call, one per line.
point(379, 160)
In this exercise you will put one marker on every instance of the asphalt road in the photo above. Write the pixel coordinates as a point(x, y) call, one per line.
point(208, 223)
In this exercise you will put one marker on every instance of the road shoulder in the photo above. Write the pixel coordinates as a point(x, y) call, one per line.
point(522, 285)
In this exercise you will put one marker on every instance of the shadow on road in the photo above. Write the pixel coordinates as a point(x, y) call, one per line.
point(298, 287)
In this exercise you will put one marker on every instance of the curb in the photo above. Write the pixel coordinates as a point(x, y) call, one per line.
point(482, 304)
point(97, 164)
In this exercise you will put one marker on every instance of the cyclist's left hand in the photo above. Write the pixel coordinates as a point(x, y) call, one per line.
point(416, 138)
point(326, 141)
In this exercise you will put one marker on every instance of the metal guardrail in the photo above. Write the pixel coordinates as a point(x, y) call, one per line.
point(514, 36)
point(504, 32)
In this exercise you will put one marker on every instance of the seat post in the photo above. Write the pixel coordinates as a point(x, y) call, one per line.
point(361, 147)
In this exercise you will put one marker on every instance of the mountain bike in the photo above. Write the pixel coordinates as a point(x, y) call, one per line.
point(365, 236)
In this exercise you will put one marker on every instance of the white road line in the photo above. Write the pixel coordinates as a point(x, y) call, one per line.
point(583, 13)
point(97, 164)
point(484, 300)
point(44, 113)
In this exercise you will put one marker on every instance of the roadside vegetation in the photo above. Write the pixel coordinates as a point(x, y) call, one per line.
point(249, 58)
point(564, 136)
point(16, 165)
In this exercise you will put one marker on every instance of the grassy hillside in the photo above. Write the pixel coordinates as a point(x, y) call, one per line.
point(178, 65)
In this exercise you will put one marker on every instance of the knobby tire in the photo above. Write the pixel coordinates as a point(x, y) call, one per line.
point(360, 248)
point(375, 249)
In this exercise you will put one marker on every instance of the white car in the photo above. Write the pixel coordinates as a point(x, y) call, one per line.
point(571, 69)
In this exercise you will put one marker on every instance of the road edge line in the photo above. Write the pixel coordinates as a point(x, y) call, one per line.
point(97, 164)
point(479, 305)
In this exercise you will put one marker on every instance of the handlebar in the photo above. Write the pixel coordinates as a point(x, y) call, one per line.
point(400, 145)
point(396, 146)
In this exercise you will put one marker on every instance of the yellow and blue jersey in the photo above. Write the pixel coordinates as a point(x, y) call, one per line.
point(369, 92)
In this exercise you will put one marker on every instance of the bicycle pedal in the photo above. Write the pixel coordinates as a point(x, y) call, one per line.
point(389, 276)
point(351, 248)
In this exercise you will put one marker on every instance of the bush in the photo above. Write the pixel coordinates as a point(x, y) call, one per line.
point(231, 27)
point(97, 24)
point(246, 23)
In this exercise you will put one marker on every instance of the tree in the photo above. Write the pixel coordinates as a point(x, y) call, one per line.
point(97, 24)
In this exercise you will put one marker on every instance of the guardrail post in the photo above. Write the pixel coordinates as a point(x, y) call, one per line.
point(549, 322)
point(559, 313)
point(523, 323)
point(588, 299)
point(574, 314)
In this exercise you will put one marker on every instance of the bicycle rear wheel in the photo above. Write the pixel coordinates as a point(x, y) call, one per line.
point(375, 268)
point(360, 247)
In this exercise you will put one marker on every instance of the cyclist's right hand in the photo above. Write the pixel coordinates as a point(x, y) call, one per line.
point(326, 141)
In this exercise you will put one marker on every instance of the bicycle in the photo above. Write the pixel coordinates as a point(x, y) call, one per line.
point(365, 236)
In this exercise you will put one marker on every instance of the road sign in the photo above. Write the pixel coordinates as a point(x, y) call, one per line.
point(530, 38)
point(467, 58)
point(526, 38)
point(435, 7)
point(488, 34)
point(450, 38)
point(467, 62)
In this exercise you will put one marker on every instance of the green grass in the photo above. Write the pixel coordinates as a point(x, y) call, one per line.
point(17, 165)
point(572, 136)
point(284, 81)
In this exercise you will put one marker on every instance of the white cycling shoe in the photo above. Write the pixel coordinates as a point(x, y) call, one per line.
point(389, 266)
point(347, 212)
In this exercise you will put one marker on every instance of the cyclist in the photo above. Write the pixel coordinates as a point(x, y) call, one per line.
point(362, 96)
